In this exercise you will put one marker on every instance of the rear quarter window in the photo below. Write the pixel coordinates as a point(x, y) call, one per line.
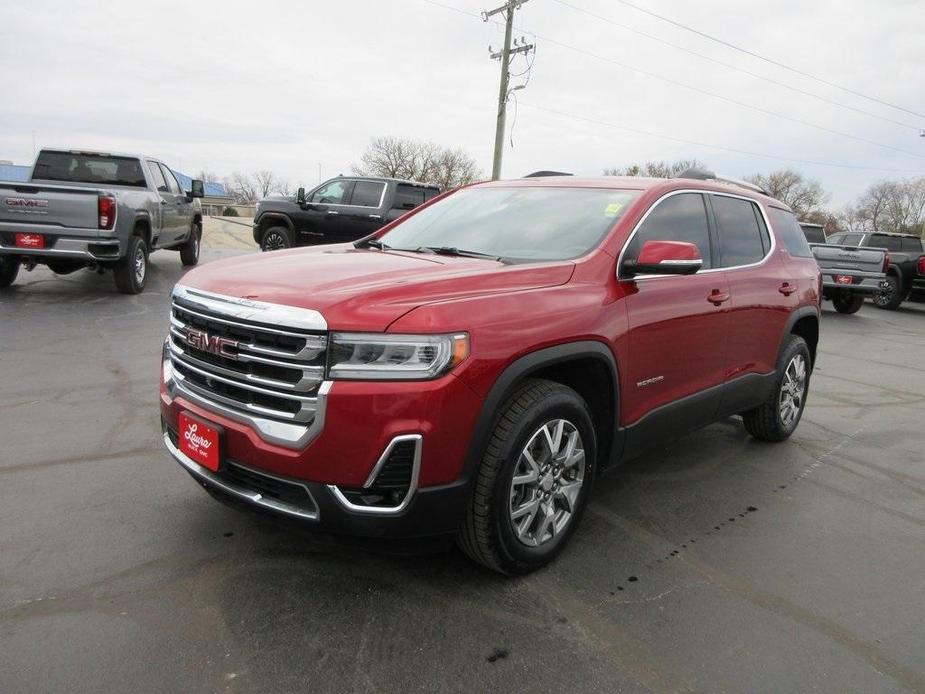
point(788, 230)
point(408, 197)
point(743, 240)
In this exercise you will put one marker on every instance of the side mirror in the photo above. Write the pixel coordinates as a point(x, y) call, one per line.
point(665, 258)
point(198, 189)
point(300, 196)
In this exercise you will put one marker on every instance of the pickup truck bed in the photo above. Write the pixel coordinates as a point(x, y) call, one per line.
point(849, 274)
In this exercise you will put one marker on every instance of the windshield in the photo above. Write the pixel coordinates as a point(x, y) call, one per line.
point(88, 168)
point(516, 224)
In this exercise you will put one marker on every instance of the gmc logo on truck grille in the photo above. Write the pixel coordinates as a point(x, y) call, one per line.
point(213, 344)
point(25, 202)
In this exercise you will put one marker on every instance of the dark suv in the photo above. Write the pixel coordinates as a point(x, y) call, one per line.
point(340, 210)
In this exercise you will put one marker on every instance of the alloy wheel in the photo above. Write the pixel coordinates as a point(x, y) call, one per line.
point(547, 482)
point(793, 391)
point(274, 242)
point(140, 265)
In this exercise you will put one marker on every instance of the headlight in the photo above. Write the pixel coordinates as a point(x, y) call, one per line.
point(373, 356)
point(166, 365)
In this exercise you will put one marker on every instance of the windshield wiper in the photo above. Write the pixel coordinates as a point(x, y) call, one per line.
point(451, 250)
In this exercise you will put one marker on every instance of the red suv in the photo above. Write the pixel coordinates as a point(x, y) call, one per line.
point(472, 367)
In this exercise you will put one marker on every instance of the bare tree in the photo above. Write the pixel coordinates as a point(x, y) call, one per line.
point(397, 157)
point(802, 194)
point(241, 188)
point(265, 182)
point(656, 169)
point(892, 206)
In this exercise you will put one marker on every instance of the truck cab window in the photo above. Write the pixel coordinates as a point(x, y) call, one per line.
point(408, 197)
point(367, 194)
point(157, 177)
point(333, 193)
point(172, 183)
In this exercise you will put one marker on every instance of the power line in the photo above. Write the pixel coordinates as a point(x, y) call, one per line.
point(709, 145)
point(771, 60)
point(700, 90)
point(736, 67)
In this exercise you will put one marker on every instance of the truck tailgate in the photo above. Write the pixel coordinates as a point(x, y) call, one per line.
point(25, 204)
point(829, 257)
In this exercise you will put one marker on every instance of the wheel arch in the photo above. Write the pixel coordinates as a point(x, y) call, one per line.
point(581, 366)
point(271, 219)
point(142, 228)
point(805, 323)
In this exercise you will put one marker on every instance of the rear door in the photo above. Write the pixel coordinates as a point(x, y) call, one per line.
point(365, 213)
point(763, 291)
point(166, 227)
point(677, 324)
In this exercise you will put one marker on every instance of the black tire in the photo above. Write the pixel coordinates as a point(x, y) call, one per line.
point(848, 303)
point(276, 239)
point(767, 422)
point(488, 534)
point(9, 268)
point(129, 278)
point(189, 251)
point(891, 297)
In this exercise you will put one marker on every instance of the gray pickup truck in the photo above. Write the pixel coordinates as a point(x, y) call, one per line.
point(97, 210)
point(849, 274)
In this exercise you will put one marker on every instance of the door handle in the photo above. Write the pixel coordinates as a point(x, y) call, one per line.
point(163, 202)
point(332, 212)
point(375, 216)
point(717, 297)
point(786, 289)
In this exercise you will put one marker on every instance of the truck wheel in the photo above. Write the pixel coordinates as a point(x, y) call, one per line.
point(779, 415)
point(276, 239)
point(533, 482)
point(131, 271)
point(189, 251)
point(892, 296)
point(9, 268)
point(848, 303)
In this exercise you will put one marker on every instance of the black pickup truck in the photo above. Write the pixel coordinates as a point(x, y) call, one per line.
point(343, 209)
point(904, 251)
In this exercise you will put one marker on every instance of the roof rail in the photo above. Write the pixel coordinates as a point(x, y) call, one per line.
point(543, 174)
point(703, 175)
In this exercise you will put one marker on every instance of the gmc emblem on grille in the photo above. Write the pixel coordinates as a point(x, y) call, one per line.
point(213, 344)
point(25, 202)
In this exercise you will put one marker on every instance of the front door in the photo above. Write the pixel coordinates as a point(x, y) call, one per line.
point(677, 327)
point(183, 206)
point(321, 218)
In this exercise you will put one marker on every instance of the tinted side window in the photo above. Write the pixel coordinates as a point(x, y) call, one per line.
point(367, 194)
point(333, 193)
point(157, 177)
point(813, 233)
point(171, 181)
point(850, 239)
point(891, 243)
point(789, 232)
point(739, 233)
point(408, 197)
point(430, 193)
point(680, 217)
point(912, 245)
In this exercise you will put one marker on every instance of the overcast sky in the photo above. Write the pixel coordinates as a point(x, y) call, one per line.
point(289, 86)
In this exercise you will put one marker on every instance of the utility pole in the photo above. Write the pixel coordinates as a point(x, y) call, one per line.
point(503, 92)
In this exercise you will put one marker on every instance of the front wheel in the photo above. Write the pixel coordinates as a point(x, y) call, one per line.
point(891, 296)
point(189, 251)
point(131, 271)
point(777, 418)
point(533, 482)
point(276, 239)
point(848, 303)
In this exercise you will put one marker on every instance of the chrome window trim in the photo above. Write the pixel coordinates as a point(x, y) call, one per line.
point(253, 497)
point(412, 488)
point(263, 312)
point(658, 202)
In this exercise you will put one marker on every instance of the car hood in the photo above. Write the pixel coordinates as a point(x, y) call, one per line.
point(367, 289)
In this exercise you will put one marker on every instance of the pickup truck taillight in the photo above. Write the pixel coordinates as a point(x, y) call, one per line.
point(886, 261)
point(921, 265)
point(107, 207)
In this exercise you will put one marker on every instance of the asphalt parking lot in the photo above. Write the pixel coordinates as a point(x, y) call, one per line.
point(715, 563)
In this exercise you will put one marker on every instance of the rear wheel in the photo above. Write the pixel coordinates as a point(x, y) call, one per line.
point(533, 483)
point(848, 303)
point(189, 251)
point(9, 268)
point(276, 239)
point(891, 296)
point(777, 418)
point(131, 271)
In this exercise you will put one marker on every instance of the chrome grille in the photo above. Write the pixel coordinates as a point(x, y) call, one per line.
point(272, 368)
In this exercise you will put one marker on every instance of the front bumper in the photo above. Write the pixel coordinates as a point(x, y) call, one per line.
point(427, 513)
